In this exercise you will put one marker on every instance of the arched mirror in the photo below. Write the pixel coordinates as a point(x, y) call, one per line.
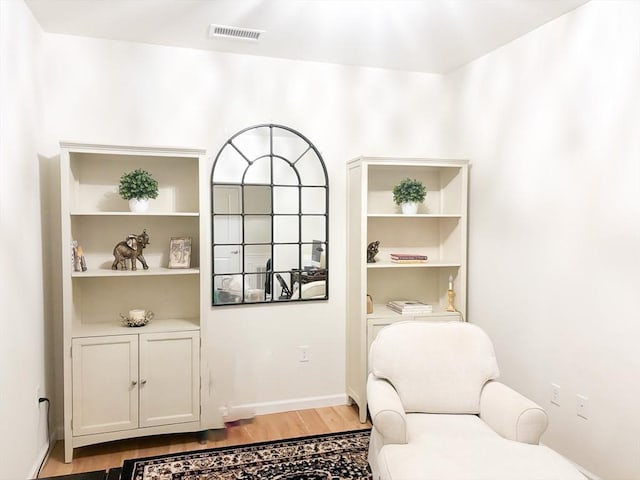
point(270, 218)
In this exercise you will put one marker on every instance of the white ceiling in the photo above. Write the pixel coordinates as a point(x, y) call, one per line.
point(433, 36)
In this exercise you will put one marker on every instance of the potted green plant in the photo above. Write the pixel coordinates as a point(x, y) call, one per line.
point(138, 187)
point(409, 194)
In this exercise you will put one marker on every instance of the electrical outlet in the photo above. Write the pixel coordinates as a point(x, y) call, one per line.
point(303, 353)
point(555, 394)
point(582, 406)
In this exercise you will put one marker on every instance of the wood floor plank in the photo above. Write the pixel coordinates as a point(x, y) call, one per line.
point(262, 428)
point(313, 421)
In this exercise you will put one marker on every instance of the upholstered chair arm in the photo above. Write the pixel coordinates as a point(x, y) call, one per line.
point(387, 414)
point(512, 415)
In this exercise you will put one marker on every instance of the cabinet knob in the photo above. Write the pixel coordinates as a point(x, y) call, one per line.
point(143, 382)
point(133, 383)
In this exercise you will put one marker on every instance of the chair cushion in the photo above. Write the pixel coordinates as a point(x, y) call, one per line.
point(436, 367)
point(463, 447)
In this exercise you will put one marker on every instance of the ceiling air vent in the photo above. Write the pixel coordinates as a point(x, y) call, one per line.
point(225, 31)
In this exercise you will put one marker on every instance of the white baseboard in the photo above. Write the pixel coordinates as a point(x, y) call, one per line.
point(295, 404)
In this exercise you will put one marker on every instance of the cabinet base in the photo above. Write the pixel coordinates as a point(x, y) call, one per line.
point(84, 440)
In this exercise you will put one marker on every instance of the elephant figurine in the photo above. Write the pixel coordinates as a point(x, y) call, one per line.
point(131, 249)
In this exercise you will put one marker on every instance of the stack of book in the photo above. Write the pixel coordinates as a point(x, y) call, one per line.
point(408, 258)
point(410, 307)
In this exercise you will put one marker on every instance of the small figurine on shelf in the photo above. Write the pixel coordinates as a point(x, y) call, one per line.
point(372, 251)
point(137, 318)
point(83, 262)
point(451, 294)
point(131, 249)
point(78, 262)
point(369, 304)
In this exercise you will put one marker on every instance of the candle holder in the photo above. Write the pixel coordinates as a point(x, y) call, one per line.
point(450, 307)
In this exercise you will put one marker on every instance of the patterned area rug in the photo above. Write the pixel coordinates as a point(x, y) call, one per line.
point(320, 457)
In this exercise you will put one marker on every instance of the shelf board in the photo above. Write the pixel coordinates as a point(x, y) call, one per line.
point(404, 162)
point(382, 311)
point(129, 150)
point(417, 215)
point(153, 271)
point(134, 214)
point(116, 328)
point(428, 264)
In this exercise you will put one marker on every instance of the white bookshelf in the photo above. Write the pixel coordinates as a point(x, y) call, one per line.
point(438, 230)
point(96, 346)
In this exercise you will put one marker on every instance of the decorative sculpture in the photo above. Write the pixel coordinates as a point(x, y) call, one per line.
point(372, 251)
point(131, 249)
point(137, 318)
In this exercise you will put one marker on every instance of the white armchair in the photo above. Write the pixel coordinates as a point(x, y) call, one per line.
point(439, 414)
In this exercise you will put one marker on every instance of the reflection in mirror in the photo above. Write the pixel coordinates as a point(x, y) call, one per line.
point(289, 145)
point(255, 258)
point(258, 172)
point(227, 229)
point(284, 173)
point(313, 254)
point(286, 200)
point(230, 167)
point(226, 258)
point(313, 228)
point(257, 229)
point(310, 169)
point(257, 199)
point(227, 289)
point(285, 229)
point(226, 200)
point(253, 143)
point(314, 200)
point(286, 257)
point(269, 204)
point(255, 288)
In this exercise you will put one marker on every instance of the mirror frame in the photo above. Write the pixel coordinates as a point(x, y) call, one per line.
point(275, 279)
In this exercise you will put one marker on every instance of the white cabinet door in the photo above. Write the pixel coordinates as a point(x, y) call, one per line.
point(105, 391)
point(169, 378)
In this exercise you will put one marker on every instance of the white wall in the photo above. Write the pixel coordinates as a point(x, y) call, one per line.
point(22, 337)
point(126, 93)
point(551, 123)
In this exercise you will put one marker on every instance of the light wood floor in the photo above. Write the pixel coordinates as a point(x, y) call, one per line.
point(260, 429)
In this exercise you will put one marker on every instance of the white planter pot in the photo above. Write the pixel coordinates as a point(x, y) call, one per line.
point(409, 208)
point(139, 205)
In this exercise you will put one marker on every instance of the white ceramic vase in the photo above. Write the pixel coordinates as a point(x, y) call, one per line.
point(409, 208)
point(139, 205)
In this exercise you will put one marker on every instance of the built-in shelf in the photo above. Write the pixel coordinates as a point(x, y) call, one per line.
point(383, 312)
point(428, 264)
point(106, 365)
point(438, 231)
point(134, 214)
point(157, 325)
point(153, 271)
point(417, 215)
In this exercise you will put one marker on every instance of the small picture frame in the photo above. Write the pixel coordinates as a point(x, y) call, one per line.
point(180, 252)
